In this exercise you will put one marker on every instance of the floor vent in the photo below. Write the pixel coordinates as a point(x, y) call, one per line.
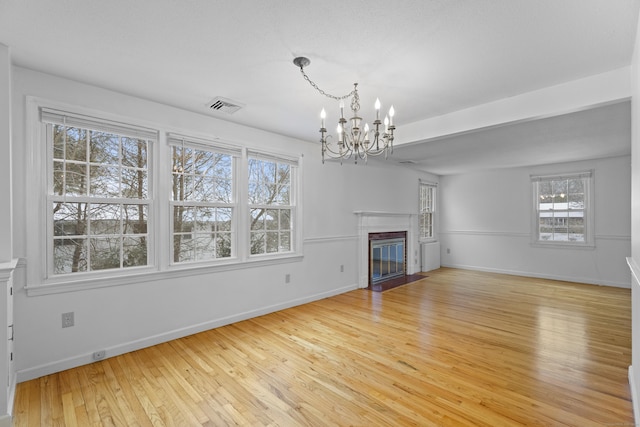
point(224, 105)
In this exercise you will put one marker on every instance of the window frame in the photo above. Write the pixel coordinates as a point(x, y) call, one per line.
point(216, 147)
point(426, 208)
point(588, 210)
point(50, 117)
point(293, 206)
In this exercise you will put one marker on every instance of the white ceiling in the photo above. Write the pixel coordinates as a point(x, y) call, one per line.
point(427, 57)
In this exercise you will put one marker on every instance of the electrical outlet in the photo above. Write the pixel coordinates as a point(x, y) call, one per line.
point(287, 278)
point(98, 355)
point(342, 268)
point(67, 319)
point(448, 250)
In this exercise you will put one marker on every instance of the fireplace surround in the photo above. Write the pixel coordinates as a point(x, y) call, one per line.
point(385, 222)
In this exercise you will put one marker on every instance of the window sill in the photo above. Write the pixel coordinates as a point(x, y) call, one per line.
point(146, 275)
point(564, 245)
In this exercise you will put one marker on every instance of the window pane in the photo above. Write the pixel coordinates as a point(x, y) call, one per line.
point(271, 219)
point(76, 179)
point(272, 241)
point(183, 219)
point(134, 183)
point(105, 181)
point(105, 219)
point(58, 178)
point(285, 241)
point(183, 248)
point(204, 246)
point(576, 229)
point(257, 242)
point(282, 196)
point(223, 245)
point(182, 187)
point(257, 219)
point(285, 219)
point(224, 216)
point(104, 253)
point(69, 219)
point(134, 152)
point(104, 148)
point(134, 251)
point(205, 219)
point(58, 141)
point(69, 143)
point(284, 175)
point(203, 162)
point(224, 190)
point(134, 219)
point(69, 255)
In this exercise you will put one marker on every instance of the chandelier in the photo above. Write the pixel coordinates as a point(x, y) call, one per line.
point(352, 140)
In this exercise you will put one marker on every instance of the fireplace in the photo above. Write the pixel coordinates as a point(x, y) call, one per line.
point(386, 224)
point(387, 256)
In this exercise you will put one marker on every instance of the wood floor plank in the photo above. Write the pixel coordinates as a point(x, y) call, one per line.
point(457, 348)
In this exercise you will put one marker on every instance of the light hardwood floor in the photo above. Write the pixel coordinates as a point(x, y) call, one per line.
point(456, 348)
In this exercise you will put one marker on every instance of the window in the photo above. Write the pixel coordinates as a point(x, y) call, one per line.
point(563, 212)
point(427, 210)
point(203, 207)
point(98, 196)
point(120, 203)
point(271, 205)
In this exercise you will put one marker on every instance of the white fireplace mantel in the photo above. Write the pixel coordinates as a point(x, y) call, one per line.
point(381, 222)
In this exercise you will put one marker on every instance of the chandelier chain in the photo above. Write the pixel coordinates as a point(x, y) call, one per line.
point(328, 95)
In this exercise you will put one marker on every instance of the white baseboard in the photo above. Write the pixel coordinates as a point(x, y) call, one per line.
point(84, 359)
point(586, 280)
point(634, 396)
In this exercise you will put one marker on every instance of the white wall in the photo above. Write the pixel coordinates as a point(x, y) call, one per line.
point(634, 261)
point(123, 318)
point(486, 224)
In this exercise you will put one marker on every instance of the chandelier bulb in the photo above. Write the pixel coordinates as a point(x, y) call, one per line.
point(392, 112)
point(323, 115)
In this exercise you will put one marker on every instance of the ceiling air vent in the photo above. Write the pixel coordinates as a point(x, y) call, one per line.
point(224, 105)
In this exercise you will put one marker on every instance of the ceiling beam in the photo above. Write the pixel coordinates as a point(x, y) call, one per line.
point(589, 92)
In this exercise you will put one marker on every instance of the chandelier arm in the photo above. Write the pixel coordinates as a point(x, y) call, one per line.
point(345, 154)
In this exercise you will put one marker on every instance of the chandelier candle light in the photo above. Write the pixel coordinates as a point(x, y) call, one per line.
point(352, 140)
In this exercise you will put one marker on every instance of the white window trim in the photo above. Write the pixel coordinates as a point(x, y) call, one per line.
point(160, 267)
point(589, 211)
point(434, 216)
